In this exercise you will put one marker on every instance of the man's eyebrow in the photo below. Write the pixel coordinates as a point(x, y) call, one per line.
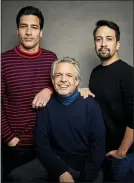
point(23, 24)
point(104, 36)
point(63, 73)
point(109, 36)
point(69, 73)
point(31, 24)
point(35, 25)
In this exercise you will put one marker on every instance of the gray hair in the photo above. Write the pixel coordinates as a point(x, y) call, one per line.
point(66, 60)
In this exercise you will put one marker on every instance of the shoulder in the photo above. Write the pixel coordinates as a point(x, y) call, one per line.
point(125, 66)
point(126, 70)
point(89, 101)
point(92, 101)
point(7, 53)
point(49, 53)
point(6, 57)
point(51, 103)
point(97, 68)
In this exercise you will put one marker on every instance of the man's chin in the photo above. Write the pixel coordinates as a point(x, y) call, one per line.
point(104, 57)
point(63, 93)
point(28, 46)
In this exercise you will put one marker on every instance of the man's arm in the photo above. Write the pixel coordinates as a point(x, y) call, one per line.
point(42, 98)
point(45, 153)
point(128, 103)
point(7, 134)
point(96, 144)
point(126, 143)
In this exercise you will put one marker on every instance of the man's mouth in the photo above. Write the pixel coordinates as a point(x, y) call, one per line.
point(63, 86)
point(28, 39)
point(103, 50)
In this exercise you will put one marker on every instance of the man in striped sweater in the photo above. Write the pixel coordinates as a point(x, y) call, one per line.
point(25, 72)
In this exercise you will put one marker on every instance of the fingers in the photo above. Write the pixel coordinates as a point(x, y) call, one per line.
point(112, 153)
point(91, 94)
point(41, 99)
point(42, 104)
point(38, 103)
point(108, 154)
point(13, 142)
point(34, 102)
point(81, 91)
point(85, 92)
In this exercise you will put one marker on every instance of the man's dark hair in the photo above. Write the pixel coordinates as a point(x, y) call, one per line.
point(30, 10)
point(111, 25)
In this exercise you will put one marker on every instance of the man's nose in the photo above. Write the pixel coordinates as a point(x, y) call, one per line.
point(63, 78)
point(28, 31)
point(103, 43)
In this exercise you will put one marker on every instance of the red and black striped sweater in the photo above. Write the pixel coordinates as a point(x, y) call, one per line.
point(23, 76)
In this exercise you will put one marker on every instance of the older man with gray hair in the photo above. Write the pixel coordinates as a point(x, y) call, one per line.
point(70, 132)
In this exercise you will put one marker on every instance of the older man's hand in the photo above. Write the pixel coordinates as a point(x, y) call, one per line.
point(85, 92)
point(41, 99)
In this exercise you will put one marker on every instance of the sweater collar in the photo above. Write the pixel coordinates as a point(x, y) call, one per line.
point(66, 100)
point(27, 55)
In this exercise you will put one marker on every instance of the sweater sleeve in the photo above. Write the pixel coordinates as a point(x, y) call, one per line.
point(127, 87)
point(6, 133)
point(45, 153)
point(96, 145)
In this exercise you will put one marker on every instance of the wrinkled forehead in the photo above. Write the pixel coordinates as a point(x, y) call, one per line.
point(65, 68)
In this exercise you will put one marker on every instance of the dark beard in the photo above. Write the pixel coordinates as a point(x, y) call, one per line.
point(104, 57)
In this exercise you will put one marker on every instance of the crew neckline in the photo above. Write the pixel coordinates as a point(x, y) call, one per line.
point(24, 54)
point(110, 65)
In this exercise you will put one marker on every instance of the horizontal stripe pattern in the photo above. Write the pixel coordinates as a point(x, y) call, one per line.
point(23, 76)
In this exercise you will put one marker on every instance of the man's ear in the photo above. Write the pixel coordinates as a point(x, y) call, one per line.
point(118, 45)
point(52, 79)
point(77, 81)
point(17, 32)
point(41, 33)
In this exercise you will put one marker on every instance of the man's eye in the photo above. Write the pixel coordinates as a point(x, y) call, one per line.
point(22, 26)
point(57, 75)
point(69, 75)
point(35, 27)
point(97, 40)
point(109, 39)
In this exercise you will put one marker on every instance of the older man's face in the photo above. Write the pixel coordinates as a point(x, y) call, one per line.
point(64, 79)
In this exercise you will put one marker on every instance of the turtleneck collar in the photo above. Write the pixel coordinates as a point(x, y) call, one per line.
point(27, 55)
point(66, 100)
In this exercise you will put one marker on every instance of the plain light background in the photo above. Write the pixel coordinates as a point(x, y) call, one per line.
point(68, 28)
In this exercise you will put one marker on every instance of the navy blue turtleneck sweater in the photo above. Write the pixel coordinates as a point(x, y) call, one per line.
point(71, 136)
